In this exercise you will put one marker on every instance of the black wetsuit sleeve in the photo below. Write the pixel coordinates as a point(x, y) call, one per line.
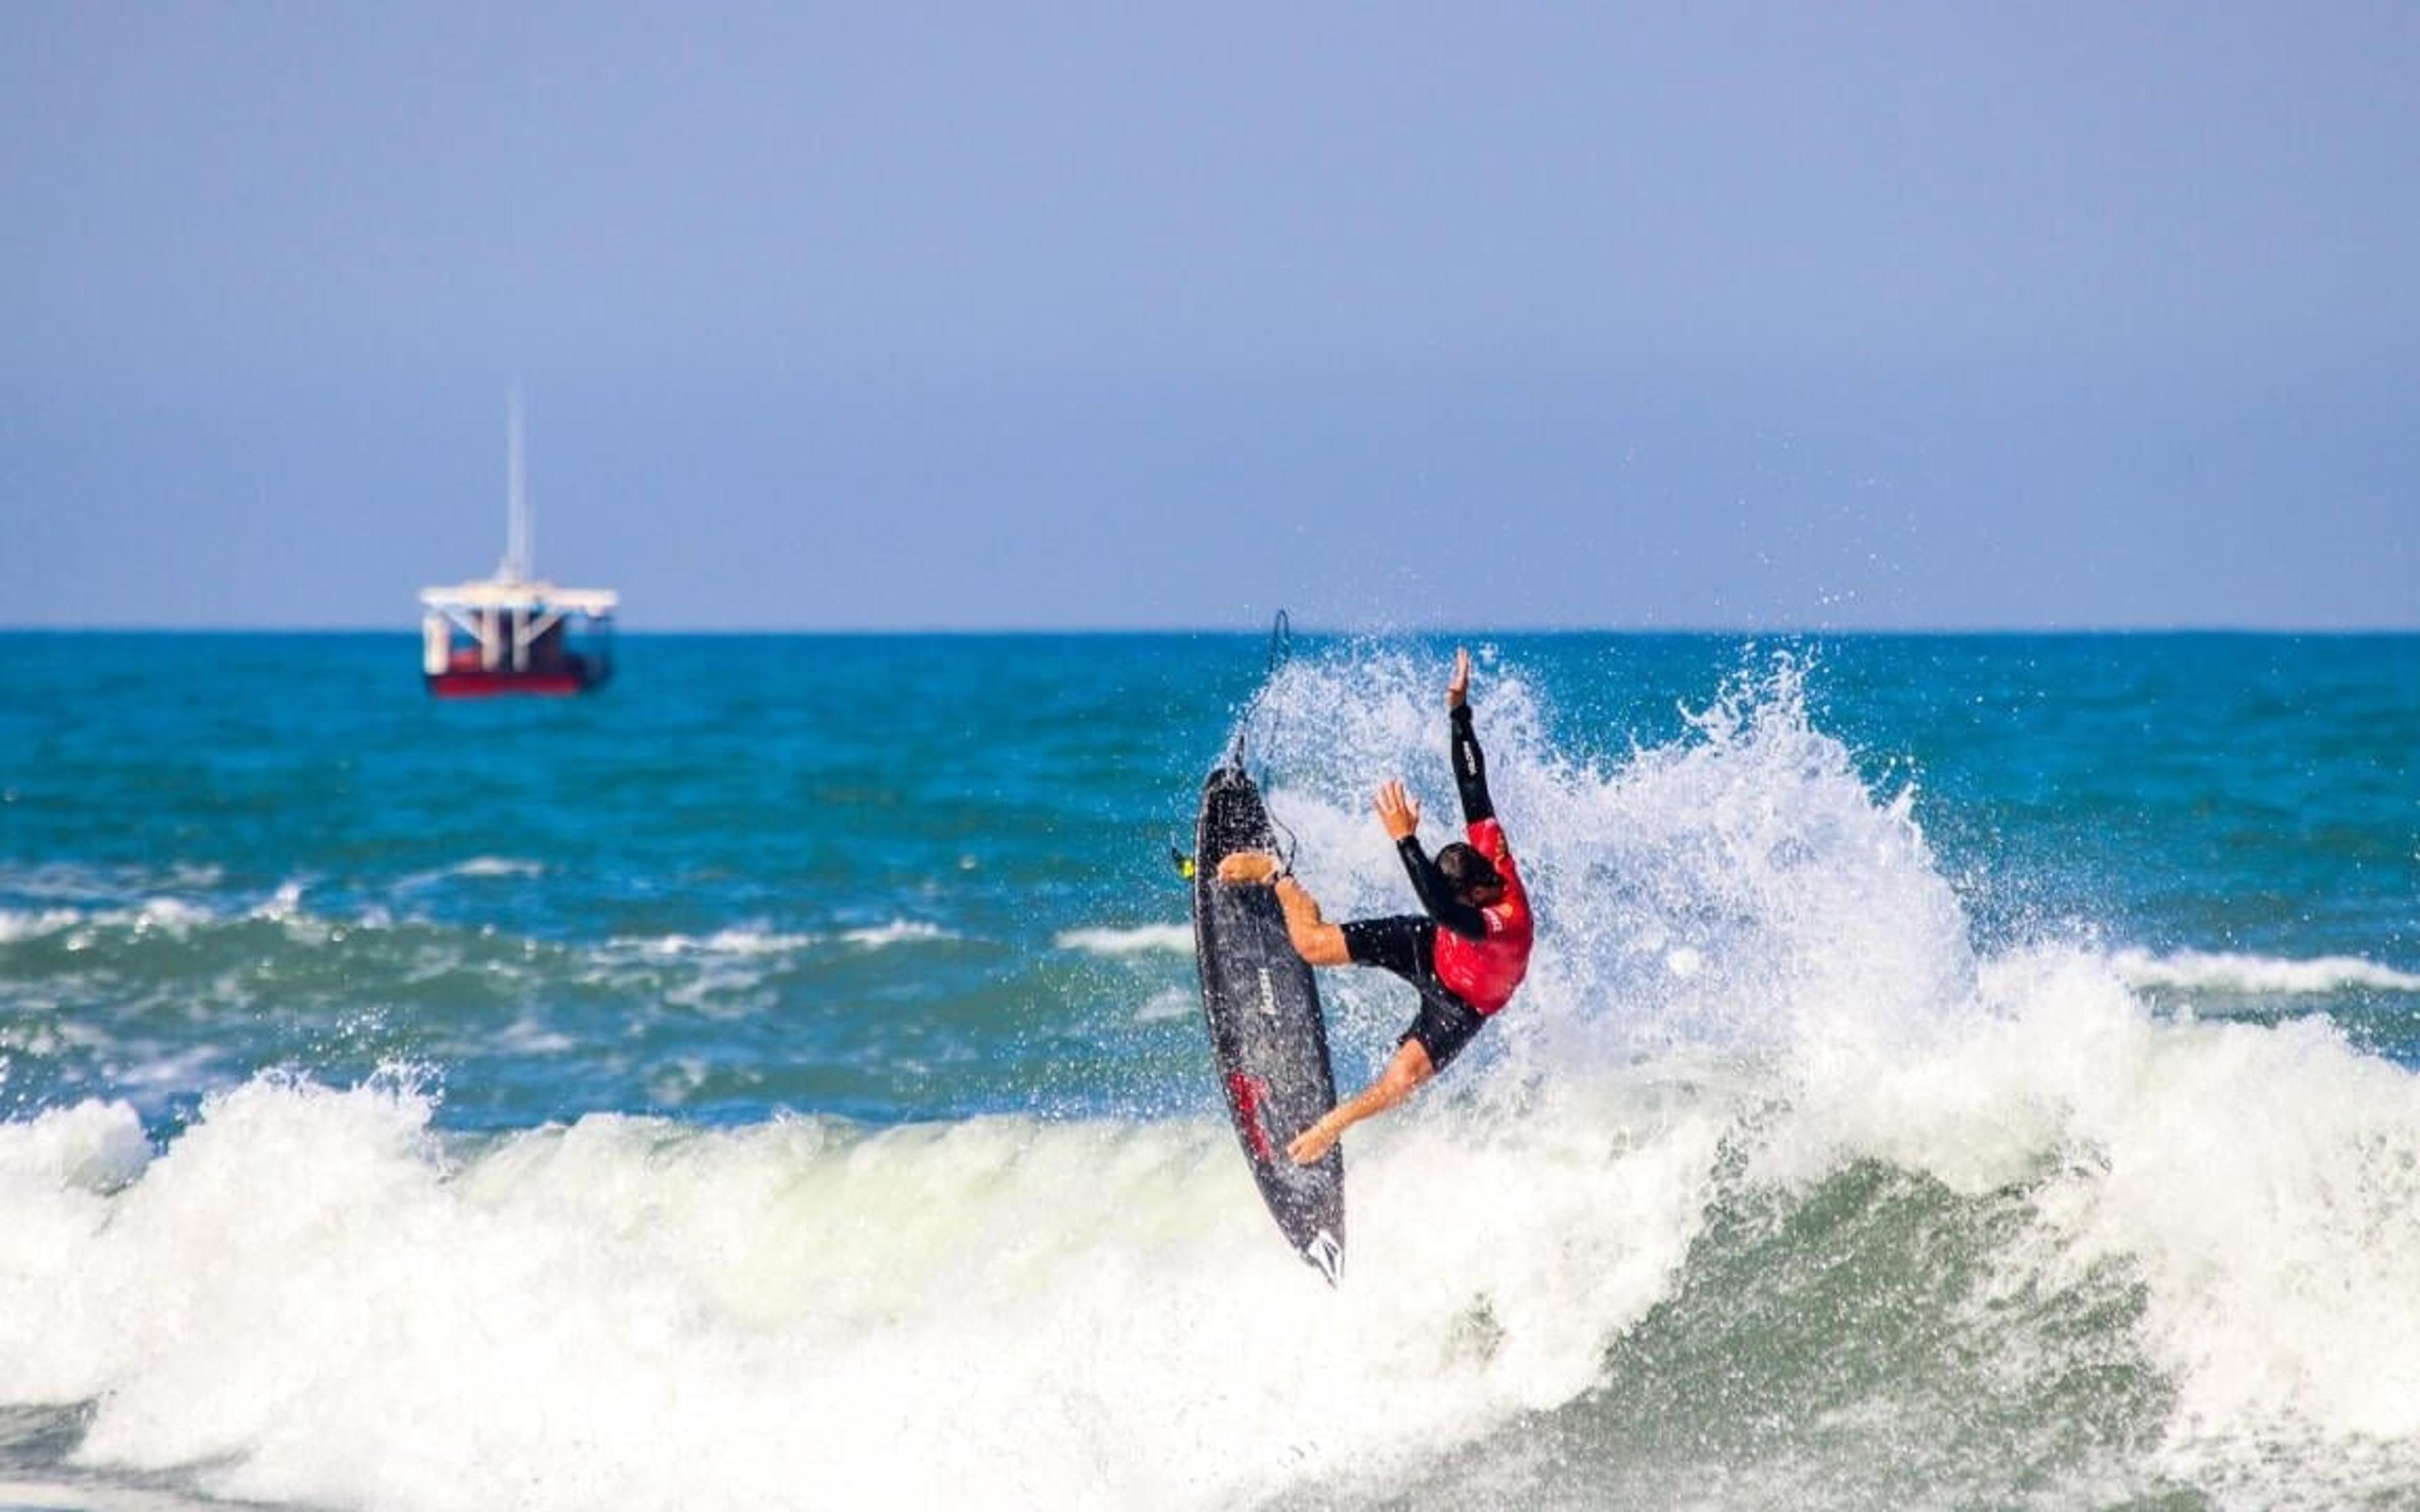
point(1471, 769)
point(1435, 897)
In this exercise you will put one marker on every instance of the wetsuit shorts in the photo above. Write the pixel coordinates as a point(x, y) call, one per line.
point(1406, 946)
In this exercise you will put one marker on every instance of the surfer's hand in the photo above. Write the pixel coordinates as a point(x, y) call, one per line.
point(1398, 809)
point(1311, 1145)
point(1458, 689)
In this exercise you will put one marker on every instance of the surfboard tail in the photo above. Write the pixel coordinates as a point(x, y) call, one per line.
point(1325, 1255)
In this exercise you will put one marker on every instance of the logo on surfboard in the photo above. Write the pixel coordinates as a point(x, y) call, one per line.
point(1250, 1097)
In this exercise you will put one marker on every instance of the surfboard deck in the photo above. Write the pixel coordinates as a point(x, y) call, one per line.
point(1266, 1033)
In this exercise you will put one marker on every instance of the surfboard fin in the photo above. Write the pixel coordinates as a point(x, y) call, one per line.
point(1327, 1256)
point(1184, 863)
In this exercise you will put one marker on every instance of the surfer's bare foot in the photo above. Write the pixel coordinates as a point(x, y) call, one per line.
point(1248, 869)
point(1312, 1145)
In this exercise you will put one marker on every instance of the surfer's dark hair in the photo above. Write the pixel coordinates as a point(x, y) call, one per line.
point(1465, 870)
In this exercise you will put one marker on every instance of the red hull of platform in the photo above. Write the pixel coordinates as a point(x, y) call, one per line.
point(480, 684)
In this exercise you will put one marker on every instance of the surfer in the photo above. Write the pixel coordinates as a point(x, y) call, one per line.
point(1465, 952)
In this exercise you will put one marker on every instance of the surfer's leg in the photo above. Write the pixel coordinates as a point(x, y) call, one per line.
point(1315, 939)
point(1404, 1073)
point(1400, 944)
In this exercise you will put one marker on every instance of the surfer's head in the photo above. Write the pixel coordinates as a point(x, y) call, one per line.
point(1473, 878)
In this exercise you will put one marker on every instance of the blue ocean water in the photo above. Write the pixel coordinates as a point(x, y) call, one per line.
point(1956, 1071)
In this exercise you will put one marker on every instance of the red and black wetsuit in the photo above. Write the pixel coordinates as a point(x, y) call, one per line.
point(1465, 960)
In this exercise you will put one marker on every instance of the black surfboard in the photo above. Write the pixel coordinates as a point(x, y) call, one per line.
point(1265, 1028)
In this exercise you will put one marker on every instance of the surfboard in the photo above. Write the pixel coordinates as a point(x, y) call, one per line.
point(1267, 1034)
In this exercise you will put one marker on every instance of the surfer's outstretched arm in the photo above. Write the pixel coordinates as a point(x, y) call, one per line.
point(1401, 813)
point(1469, 762)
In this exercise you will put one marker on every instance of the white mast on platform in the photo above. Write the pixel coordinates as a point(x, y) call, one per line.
point(519, 531)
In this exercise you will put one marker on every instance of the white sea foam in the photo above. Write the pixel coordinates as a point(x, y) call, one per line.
point(500, 866)
point(160, 1071)
point(737, 941)
point(174, 916)
point(178, 917)
point(68, 882)
point(286, 903)
point(88, 1149)
point(526, 1036)
point(1175, 1003)
point(590, 1314)
point(757, 941)
point(35, 923)
point(477, 869)
point(1139, 940)
point(897, 932)
point(587, 1315)
point(2258, 976)
point(2260, 1181)
point(727, 974)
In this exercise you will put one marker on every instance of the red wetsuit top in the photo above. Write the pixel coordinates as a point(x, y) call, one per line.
point(1482, 972)
point(1481, 953)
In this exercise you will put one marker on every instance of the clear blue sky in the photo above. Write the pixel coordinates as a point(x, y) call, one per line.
point(1396, 315)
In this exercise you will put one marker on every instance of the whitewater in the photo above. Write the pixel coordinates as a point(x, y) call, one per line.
point(1808, 1170)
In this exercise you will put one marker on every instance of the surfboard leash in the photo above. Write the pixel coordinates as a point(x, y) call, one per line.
point(1246, 724)
point(1280, 651)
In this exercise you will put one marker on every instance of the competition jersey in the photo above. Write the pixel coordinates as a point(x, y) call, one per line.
point(1484, 972)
